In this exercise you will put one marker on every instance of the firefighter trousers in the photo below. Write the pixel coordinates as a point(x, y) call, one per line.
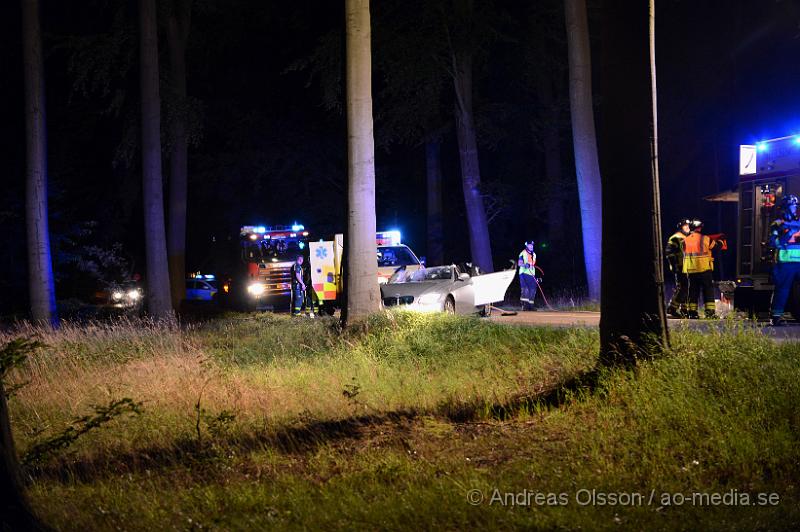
point(703, 281)
point(677, 305)
point(528, 290)
point(784, 275)
point(298, 298)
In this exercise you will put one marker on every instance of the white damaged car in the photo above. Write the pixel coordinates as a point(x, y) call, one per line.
point(445, 289)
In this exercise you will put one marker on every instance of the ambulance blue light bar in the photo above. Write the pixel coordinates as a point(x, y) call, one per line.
point(388, 238)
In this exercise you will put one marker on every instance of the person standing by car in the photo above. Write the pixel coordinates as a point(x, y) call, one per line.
point(298, 286)
point(674, 254)
point(526, 262)
point(698, 265)
point(784, 237)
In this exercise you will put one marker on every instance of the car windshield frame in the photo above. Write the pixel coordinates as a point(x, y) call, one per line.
point(426, 275)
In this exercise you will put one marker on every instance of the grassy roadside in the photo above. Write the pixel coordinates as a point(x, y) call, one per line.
point(392, 426)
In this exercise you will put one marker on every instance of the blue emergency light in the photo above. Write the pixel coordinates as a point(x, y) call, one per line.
point(761, 146)
point(388, 238)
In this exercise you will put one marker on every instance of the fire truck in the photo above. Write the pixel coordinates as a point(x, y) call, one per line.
point(768, 170)
point(262, 280)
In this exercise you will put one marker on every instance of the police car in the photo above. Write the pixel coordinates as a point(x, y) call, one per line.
point(201, 288)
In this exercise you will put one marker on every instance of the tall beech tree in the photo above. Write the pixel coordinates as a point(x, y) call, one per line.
point(363, 294)
point(584, 141)
point(177, 36)
point(158, 291)
point(40, 264)
point(461, 26)
point(433, 186)
point(633, 320)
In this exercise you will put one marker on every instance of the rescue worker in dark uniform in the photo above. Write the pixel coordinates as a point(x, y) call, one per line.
point(312, 300)
point(298, 286)
point(674, 253)
point(527, 276)
point(785, 238)
point(698, 264)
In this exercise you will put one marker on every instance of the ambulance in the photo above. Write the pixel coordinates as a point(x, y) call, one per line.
point(325, 258)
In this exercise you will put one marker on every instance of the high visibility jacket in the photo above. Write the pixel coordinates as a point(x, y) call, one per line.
point(528, 263)
point(674, 251)
point(697, 253)
point(785, 240)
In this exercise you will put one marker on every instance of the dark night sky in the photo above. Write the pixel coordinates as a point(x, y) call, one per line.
point(271, 152)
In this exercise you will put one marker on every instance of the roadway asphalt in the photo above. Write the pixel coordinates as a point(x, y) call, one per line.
point(592, 319)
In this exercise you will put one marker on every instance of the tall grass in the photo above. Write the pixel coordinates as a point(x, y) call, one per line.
point(376, 441)
point(271, 370)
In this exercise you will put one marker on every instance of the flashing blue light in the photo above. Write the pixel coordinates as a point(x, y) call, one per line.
point(260, 229)
point(762, 146)
point(297, 227)
point(389, 238)
point(301, 245)
point(797, 139)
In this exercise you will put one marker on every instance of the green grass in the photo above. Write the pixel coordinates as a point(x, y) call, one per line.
point(391, 425)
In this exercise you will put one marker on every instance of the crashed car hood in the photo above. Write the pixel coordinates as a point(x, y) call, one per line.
point(412, 289)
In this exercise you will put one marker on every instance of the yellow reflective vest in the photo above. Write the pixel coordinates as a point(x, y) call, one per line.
point(697, 253)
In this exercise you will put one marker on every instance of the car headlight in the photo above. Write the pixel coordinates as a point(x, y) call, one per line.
point(429, 299)
point(117, 295)
point(256, 289)
point(134, 295)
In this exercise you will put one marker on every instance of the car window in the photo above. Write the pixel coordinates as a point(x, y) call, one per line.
point(190, 285)
point(395, 256)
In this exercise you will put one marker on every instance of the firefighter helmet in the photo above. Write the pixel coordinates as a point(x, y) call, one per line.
point(696, 224)
point(685, 221)
point(789, 199)
point(529, 242)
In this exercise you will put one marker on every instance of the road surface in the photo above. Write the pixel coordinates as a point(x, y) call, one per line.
point(592, 319)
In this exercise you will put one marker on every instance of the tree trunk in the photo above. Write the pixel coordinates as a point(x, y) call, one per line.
point(633, 322)
point(479, 243)
point(584, 142)
point(15, 513)
point(177, 35)
point(551, 142)
point(40, 266)
point(158, 292)
point(363, 294)
point(433, 167)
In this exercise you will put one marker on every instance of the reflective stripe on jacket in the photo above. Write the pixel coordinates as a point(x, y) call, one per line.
point(697, 253)
point(528, 262)
point(674, 251)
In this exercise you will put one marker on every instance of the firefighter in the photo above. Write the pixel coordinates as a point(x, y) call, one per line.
point(674, 254)
point(527, 276)
point(785, 238)
point(312, 300)
point(698, 264)
point(298, 286)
